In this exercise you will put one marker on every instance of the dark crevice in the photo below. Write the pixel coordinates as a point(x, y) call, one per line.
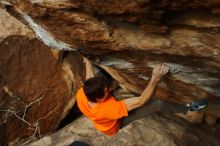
point(73, 115)
point(172, 19)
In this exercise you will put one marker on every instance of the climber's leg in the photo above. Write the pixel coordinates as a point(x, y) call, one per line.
point(152, 107)
point(164, 107)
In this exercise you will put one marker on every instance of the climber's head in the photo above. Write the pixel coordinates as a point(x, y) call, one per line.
point(97, 89)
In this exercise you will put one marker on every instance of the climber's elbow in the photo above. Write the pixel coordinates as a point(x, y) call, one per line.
point(133, 103)
point(141, 103)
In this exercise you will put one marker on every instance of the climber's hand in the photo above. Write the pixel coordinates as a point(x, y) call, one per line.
point(159, 71)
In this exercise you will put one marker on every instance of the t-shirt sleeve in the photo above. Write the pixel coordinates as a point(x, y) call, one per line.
point(117, 110)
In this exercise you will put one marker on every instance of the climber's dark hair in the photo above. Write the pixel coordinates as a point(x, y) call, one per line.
point(94, 88)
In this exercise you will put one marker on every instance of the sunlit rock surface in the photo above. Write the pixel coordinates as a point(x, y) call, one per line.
point(11, 26)
point(36, 89)
point(35, 86)
point(127, 38)
point(189, 44)
point(155, 130)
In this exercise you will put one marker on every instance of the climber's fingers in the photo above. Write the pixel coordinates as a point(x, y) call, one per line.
point(165, 69)
point(160, 70)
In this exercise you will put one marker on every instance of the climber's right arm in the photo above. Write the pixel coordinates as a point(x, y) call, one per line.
point(158, 72)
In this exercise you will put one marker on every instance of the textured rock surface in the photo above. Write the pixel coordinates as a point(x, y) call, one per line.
point(10, 26)
point(155, 130)
point(35, 86)
point(114, 31)
point(32, 79)
point(127, 38)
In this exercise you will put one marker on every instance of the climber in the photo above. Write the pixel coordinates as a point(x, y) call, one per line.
point(109, 115)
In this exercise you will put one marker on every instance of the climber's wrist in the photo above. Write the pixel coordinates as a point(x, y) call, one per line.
point(155, 79)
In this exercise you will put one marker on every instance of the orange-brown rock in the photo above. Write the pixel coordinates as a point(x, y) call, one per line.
point(154, 130)
point(189, 46)
point(34, 82)
point(11, 26)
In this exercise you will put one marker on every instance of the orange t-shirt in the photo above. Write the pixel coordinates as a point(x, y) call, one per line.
point(105, 115)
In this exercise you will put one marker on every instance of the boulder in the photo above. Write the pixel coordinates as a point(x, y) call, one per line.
point(154, 130)
point(11, 26)
point(189, 45)
point(36, 88)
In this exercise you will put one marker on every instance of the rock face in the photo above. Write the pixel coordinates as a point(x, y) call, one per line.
point(155, 130)
point(36, 89)
point(10, 26)
point(126, 38)
point(34, 86)
point(130, 37)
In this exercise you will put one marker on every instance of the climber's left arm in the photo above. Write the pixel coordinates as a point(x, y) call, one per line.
point(89, 69)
